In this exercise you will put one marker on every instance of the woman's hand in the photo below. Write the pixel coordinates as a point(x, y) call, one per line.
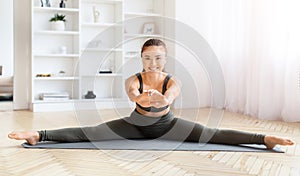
point(152, 97)
point(156, 99)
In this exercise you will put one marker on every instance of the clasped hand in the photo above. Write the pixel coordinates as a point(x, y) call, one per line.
point(156, 99)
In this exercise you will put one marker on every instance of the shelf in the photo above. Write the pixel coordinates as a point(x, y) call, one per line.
point(102, 100)
point(133, 51)
point(132, 55)
point(81, 100)
point(56, 78)
point(101, 25)
point(55, 9)
point(57, 32)
point(57, 55)
point(103, 75)
point(142, 35)
point(55, 101)
point(101, 50)
point(103, 1)
point(137, 14)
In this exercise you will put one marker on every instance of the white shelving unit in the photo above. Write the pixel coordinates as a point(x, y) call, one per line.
point(110, 43)
point(100, 51)
point(47, 57)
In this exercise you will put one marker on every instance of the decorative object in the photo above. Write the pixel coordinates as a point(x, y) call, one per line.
point(43, 75)
point(148, 28)
point(105, 71)
point(48, 4)
point(90, 95)
point(62, 50)
point(45, 3)
point(96, 14)
point(58, 22)
point(61, 73)
point(94, 44)
point(107, 66)
point(54, 96)
point(62, 4)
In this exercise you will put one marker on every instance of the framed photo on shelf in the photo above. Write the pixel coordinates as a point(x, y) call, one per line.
point(148, 28)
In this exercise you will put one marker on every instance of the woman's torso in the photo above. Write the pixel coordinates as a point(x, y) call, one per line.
point(153, 80)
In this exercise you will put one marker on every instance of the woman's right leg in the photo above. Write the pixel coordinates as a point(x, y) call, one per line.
point(116, 129)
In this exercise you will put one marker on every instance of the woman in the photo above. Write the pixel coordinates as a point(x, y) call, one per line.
point(153, 91)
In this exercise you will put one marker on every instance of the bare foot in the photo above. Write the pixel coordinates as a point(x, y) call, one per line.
point(272, 141)
point(31, 137)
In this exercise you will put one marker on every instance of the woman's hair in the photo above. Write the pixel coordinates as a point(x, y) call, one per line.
point(153, 42)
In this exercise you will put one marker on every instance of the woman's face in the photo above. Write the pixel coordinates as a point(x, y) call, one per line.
point(154, 58)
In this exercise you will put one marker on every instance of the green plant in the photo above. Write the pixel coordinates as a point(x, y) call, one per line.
point(58, 17)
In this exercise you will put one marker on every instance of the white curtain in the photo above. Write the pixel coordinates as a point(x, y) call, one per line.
point(258, 45)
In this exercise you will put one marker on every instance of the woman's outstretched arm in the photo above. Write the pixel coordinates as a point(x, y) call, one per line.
point(132, 86)
point(159, 100)
point(152, 97)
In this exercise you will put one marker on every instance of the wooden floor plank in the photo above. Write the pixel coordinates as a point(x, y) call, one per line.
point(257, 166)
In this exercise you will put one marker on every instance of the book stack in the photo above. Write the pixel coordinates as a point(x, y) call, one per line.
point(54, 96)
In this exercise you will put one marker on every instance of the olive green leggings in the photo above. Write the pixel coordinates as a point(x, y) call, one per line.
point(138, 126)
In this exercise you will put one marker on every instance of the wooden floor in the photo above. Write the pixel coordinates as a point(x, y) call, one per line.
point(15, 160)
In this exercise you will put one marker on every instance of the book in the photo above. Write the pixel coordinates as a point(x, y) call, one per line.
point(50, 96)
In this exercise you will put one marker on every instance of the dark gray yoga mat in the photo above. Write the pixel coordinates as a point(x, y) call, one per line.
point(162, 145)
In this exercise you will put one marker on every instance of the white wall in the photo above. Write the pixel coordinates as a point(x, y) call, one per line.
point(6, 37)
point(187, 68)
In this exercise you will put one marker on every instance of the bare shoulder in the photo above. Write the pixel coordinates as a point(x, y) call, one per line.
point(131, 78)
point(131, 81)
point(174, 81)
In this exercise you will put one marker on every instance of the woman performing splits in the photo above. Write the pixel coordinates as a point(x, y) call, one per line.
point(153, 91)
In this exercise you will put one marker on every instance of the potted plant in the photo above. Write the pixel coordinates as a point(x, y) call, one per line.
point(58, 22)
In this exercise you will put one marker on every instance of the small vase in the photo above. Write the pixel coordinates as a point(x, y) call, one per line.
point(62, 4)
point(90, 95)
point(62, 50)
point(96, 14)
point(58, 25)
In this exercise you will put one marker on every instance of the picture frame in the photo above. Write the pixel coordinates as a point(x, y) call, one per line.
point(148, 28)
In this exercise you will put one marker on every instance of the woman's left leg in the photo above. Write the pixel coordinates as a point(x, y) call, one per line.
point(184, 130)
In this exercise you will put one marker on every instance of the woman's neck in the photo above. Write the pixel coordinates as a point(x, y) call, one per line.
point(153, 78)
